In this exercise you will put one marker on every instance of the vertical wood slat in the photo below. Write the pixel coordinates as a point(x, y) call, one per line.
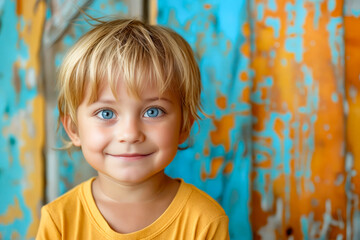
point(22, 118)
point(298, 91)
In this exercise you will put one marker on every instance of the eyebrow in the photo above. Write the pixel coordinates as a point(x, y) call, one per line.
point(151, 99)
point(157, 99)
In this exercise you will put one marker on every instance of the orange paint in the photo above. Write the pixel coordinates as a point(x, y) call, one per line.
point(221, 134)
point(245, 48)
point(19, 6)
point(216, 164)
point(246, 29)
point(203, 174)
point(228, 168)
point(287, 94)
point(327, 160)
point(221, 102)
point(16, 79)
point(13, 212)
point(206, 150)
point(265, 164)
point(258, 215)
point(243, 76)
point(15, 235)
point(245, 96)
point(279, 128)
point(352, 77)
point(33, 13)
point(32, 153)
point(207, 6)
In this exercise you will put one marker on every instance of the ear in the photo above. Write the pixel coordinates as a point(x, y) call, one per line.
point(71, 130)
point(185, 133)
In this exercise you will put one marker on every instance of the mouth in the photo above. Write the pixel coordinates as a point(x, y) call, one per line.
point(130, 156)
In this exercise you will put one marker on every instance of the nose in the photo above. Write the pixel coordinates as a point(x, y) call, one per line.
point(129, 130)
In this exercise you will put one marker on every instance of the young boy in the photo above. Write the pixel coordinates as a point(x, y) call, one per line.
point(129, 94)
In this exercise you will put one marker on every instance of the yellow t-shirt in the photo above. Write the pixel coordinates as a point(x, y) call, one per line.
point(191, 215)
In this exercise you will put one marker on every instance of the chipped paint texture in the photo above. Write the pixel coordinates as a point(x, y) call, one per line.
point(298, 135)
point(274, 86)
point(352, 76)
point(219, 161)
point(22, 118)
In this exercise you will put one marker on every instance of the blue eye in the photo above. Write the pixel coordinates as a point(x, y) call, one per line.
point(153, 112)
point(106, 114)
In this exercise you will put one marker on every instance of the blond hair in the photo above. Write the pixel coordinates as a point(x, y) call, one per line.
point(135, 52)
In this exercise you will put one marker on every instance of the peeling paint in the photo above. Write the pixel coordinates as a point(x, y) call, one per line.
point(22, 124)
point(220, 36)
point(221, 135)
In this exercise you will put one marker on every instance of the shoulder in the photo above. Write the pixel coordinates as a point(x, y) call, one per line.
point(202, 204)
point(200, 216)
point(66, 203)
point(63, 217)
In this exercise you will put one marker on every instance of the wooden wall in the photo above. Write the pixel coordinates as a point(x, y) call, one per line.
point(281, 83)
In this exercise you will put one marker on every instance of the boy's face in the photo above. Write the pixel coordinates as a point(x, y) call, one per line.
point(128, 139)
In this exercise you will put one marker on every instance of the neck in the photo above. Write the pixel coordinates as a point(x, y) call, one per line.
point(109, 189)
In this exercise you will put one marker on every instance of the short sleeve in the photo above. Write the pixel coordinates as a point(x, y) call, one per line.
point(47, 228)
point(217, 229)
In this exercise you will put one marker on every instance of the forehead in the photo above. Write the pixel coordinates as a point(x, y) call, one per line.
point(120, 89)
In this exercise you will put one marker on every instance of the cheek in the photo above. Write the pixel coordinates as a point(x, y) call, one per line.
point(167, 136)
point(95, 139)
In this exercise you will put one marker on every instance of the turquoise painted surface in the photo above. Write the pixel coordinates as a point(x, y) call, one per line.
point(214, 29)
point(17, 92)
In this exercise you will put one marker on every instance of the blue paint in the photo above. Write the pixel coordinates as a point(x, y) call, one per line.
point(274, 23)
point(302, 110)
point(256, 95)
point(311, 85)
point(1, 7)
point(68, 40)
point(272, 5)
point(355, 12)
point(199, 26)
point(335, 97)
point(336, 40)
point(295, 45)
point(294, 42)
point(13, 105)
point(260, 11)
point(58, 59)
point(331, 5)
point(317, 14)
point(12, 172)
point(260, 158)
point(305, 227)
point(309, 109)
point(284, 150)
point(231, 18)
point(280, 152)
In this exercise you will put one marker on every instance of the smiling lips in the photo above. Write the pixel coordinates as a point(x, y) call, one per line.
point(130, 157)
